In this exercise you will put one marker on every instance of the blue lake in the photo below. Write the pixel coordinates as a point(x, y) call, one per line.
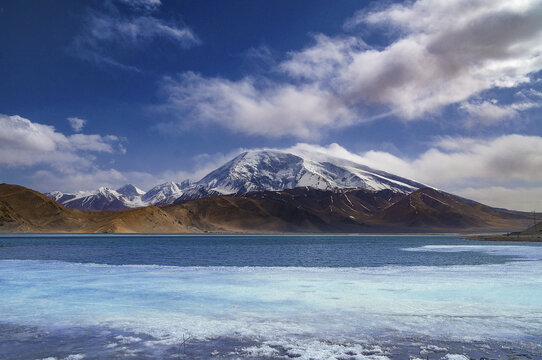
point(268, 297)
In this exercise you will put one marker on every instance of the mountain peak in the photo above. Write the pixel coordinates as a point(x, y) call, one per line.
point(267, 169)
point(163, 194)
point(255, 170)
point(130, 190)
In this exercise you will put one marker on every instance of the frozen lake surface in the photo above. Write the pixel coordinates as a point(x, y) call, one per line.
point(269, 297)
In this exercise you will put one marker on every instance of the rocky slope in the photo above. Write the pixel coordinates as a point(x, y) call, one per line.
point(347, 210)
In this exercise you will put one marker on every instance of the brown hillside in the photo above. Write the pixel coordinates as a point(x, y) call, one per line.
point(428, 209)
point(294, 210)
point(25, 210)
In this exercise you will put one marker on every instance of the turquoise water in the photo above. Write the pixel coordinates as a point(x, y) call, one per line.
point(271, 297)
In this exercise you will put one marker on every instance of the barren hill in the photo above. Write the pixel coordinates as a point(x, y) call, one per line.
point(297, 210)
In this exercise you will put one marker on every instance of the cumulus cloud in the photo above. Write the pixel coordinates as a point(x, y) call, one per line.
point(455, 161)
point(446, 52)
point(253, 108)
point(507, 170)
point(442, 53)
point(517, 198)
point(76, 123)
point(491, 112)
point(106, 35)
point(488, 111)
point(26, 143)
point(504, 171)
point(324, 59)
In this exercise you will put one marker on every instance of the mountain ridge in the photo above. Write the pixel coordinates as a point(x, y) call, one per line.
point(257, 170)
point(298, 210)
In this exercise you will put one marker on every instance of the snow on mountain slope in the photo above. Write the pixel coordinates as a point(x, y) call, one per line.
point(130, 191)
point(257, 170)
point(277, 170)
point(104, 198)
point(63, 198)
point(163, 194)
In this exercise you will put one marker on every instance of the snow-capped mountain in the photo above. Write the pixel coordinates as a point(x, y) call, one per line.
point(104, 198)
point(163, 194)
point(259, 170)
point(128, 196)
point(130, 191)
point(63, 198)
point(101, 199)
point(277, 170)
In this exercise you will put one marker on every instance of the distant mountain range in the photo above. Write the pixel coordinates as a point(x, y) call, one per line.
point(298, 210)
point(265, 170)
point(260, 192)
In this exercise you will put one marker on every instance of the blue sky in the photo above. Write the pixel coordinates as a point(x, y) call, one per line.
point(144, 91)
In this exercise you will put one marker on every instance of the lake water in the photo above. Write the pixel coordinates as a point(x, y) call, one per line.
point(268, 297)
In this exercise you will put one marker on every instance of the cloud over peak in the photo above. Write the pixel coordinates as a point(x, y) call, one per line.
point(441, 53)
point(255, 107)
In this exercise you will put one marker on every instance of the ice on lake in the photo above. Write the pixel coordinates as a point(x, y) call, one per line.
point(145, 311)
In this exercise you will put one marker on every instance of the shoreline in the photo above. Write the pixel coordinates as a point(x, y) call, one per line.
point(476, 236)
point(467, 234)
point(510, 238)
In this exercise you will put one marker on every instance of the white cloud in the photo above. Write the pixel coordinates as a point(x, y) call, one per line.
point(19, 133)
point(133, 31)
point(505, 171)
point(258, 109)
point(142, 5)
point(519, 198)
point(91, 179)
point(448, 163)
point(490, 112)
point(106, 36)
point(325, 58)
point(454, 162)
point(504, 159)
point(444, 52)
point(76, 123)
point(26, 143)
point(97, 143)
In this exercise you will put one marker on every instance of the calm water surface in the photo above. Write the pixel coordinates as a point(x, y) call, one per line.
point(303, 251)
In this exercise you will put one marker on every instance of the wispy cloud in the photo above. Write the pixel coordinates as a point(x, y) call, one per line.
point(442, 53)
point(76, 123)
point(142, 5)
point(106, 35)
